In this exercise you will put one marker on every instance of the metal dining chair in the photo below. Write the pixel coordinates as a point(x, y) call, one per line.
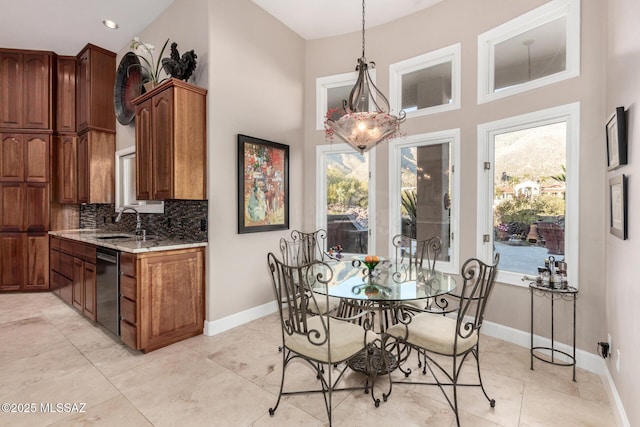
point(322, 341)
point(436, 336)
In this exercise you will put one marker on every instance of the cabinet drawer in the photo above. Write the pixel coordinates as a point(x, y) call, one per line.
point(128, 287)
point(84, 252)
point(54, 260)
point(66, 246)
point(55, 243)
point(128, 264)
point(128, 310)
point(66, 265)
point(128, 334)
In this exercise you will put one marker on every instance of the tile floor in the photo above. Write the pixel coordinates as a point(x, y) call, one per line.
point(50, 354)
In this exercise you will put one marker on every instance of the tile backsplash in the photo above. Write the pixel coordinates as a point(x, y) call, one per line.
point(182, 219)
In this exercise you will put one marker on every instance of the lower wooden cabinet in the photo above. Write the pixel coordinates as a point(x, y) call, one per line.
point(73, 274)
point(162, 297)
point(24, 261)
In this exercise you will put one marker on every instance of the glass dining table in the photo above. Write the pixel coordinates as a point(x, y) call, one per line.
point(381, 289)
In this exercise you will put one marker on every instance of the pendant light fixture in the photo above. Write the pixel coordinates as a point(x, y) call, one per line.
point(359, 127)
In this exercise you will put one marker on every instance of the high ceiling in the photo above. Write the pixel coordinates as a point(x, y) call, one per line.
point(65, 26)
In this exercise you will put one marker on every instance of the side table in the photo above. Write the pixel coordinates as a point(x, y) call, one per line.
point(569, 293)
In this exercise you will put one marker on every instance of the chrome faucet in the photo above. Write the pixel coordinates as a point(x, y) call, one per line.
point(138, 220)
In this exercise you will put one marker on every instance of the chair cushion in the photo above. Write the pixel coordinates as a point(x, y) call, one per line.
point(347, 339)
point(435, 333)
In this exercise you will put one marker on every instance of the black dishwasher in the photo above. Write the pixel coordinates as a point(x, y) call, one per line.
point(108, 288)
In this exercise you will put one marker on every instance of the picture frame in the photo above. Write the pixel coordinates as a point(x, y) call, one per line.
point(618, 206)
point(263, 185)
point(616, 139)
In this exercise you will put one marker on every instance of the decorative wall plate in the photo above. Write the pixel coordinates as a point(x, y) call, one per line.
point(128, 86)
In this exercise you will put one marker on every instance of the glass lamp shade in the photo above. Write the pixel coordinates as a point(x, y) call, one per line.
point(363, 130)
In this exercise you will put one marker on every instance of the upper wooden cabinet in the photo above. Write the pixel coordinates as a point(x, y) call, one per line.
point(66, 94)
point(95, 76)
point(171, 142)
point(66, 170)
point(24, 157)
point(96, 165)
point(25, 89)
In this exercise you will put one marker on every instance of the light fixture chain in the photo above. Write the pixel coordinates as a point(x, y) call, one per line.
point(363, 29)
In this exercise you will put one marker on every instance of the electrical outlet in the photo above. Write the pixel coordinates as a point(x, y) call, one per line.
point(203, 225)
point(618, 361)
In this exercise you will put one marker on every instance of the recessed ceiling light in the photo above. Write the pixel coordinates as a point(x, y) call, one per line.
point(110, 24)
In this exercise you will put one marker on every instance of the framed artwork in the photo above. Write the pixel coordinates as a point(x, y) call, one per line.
point(617, 140)
point(263, 185)
point(618, 206)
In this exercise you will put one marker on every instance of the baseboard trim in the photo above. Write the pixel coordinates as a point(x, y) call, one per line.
point(214, 327)
point(619, 413)
point(585, 360)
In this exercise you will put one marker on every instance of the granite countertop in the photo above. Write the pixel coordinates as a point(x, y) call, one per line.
point(126, 242)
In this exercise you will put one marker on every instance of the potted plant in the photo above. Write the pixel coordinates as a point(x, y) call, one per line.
point(151, 67)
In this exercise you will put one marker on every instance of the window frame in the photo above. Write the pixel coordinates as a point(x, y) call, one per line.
point(430, 59)
point(451, 136)
point(569, 113)
point(537, 17)
point(142, 206)
point(321, 188)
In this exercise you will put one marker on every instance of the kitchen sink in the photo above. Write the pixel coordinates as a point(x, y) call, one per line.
point(113, 237)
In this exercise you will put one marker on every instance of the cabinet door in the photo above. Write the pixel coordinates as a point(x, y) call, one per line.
point(171, 297)
point(83, 77)
point(37, 158)
point(66, 94)
point(37, 262)
point(89, 290)
point(12, 157)
point(11, 89)
point(83, 171)
point(37, 91)
point(12, 261)
point(143, 151)
point(78, 284)
point(36, 207)
point(66, 170)
point(162, 149)
point(12, 195)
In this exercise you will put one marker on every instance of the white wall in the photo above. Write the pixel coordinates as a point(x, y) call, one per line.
point(622, 291)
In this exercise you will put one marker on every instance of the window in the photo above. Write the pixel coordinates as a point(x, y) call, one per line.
point(426, 84)
point(528, 191)
point(331, 91)
point(535, 49)
point(126, 184)
point(424, 191)
point(345, 205)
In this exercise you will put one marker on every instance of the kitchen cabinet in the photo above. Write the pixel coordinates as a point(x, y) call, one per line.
point(24, 206)
point(95, 167)
point(162, 297)
point(66, 94)
point(66, 172)
point(24, 157)
point(171, 142)
point(73, 274)
point(15, 274)
point(26, 82)
point(95, 76)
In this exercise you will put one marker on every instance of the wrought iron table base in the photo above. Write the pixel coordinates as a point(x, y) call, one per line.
point(536, 352)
